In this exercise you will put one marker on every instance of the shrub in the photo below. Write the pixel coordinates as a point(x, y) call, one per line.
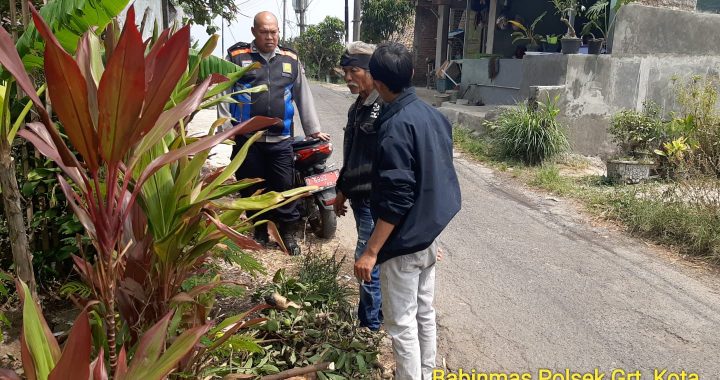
point(531, 133)
point(637, 132)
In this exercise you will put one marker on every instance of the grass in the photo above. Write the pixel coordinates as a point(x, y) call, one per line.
point(694, 229)
point(549, 178)
point(476, 147)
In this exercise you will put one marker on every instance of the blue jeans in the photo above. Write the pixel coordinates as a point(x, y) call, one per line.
point(370, 308)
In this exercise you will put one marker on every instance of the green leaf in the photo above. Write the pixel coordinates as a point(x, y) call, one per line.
point(255, 202)
point(231, 168)
point(41, 344)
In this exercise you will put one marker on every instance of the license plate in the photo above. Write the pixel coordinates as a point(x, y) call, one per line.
point(322, 180)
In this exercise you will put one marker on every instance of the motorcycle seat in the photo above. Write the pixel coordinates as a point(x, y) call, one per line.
point(300, 144)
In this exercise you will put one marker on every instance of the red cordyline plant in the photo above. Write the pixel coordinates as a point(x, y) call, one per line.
point(119, 118)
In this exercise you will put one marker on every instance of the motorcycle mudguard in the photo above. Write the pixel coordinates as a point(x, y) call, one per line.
point(326, 198)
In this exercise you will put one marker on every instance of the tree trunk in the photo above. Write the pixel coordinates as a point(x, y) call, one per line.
point(13, 19)
point(13, 212)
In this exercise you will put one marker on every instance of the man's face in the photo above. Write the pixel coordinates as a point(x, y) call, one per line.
point(357, 79)
point(266, 35)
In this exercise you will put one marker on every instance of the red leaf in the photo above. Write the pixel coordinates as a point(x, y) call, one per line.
point(28, 365)
point(98, 366)
point(77, 208)
point(167, 68)
point(121, 93)
point(121, 369)
point(69, 96)
point(73, 363)
point(39, 136)
point(253, 125)
point(11, 61)
point(242, 241)
point(84, 60)
point(85, 269)
point(152, 342)
point(152, 55)
point(170, 118)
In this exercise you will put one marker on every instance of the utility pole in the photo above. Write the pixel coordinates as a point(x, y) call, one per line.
point(347, 21)
point(284, 36)
point(356, 20)
point(300, 7)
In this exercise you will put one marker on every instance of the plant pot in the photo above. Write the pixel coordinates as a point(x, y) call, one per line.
point(550, 48)
point(534, 48)
point(628, 172)
point(595, 46)
point(570, 45)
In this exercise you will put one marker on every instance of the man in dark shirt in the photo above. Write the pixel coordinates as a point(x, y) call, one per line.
point(415, 194)
point(355, 179)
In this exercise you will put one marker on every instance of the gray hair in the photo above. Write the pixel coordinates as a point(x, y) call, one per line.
point(359, 47)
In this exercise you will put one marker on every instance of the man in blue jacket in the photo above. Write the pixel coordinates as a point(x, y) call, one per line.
point(271, 158)
point(415, 195)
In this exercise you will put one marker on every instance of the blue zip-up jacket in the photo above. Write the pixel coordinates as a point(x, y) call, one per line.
point(286, 82)
point(415, 186)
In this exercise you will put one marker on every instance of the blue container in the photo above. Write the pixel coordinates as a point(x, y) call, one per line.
point(442, 85)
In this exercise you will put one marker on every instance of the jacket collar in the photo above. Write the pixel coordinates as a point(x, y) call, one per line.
point(254, 49)
point(371, 99)
point(406, 97)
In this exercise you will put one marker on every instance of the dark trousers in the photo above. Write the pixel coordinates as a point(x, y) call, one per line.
point(273, 162)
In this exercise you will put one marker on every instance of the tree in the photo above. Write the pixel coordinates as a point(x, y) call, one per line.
point(381, 19)
point(202, 12)
point(321, 46)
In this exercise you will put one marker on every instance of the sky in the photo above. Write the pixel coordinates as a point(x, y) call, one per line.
point(239, 30)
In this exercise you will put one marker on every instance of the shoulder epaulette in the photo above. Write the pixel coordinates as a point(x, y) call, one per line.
point(239, 48)
point(289, 52)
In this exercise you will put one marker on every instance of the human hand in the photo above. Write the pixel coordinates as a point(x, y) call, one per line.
point(320, 135)
point(339, 205)
point(364, 266)
point(440, 254)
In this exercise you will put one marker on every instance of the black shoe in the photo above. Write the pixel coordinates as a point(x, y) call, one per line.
point(287, 234)
point(261, 235)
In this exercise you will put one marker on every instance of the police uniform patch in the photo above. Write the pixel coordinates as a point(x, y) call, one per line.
point(287, 69)
point(246, 63)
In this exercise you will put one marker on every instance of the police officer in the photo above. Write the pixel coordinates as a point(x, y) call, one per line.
point(271, 157)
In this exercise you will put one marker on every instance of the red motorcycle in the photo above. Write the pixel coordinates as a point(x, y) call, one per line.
point(311, 170)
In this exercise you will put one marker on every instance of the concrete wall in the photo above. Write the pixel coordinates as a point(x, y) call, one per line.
point(648, 30)
point(477, 86)
point(680, 4)
point(597, 87)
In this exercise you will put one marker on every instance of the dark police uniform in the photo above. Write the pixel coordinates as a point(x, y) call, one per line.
point(271, 157)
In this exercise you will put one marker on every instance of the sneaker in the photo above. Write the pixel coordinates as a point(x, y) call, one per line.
point(287, 234)
point(291, 244)
point(261, 235)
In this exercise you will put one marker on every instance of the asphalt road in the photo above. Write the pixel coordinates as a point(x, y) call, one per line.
point(530, 283)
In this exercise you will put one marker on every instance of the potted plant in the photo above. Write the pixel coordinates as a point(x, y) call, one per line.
point(597, 22)
point(636, 134)
point(528, 34)
point(568, 9)
point(551, 43)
